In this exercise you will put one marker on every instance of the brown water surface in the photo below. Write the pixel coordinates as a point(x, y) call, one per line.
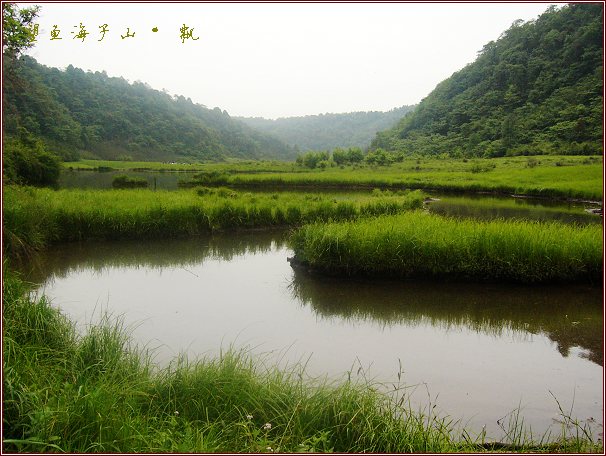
point(478, 351)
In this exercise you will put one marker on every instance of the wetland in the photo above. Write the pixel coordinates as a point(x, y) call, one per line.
point(498, 338)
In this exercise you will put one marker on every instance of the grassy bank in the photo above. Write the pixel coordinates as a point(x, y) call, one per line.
point(65, 392)
point(553, 177)
point(234, 165)
point(34, 217)
point(547, 176)
point(423, 245)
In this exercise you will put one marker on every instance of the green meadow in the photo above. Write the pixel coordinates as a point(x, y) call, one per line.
point(557, 177)
point(547, 176)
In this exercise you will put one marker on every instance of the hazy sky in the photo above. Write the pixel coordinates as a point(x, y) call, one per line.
point(278, 60)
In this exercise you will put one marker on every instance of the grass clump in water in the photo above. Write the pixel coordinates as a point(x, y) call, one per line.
point(65, 392)
point(417, 244)
point(124, 181)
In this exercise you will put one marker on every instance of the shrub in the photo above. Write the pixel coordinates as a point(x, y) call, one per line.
point(29, 164)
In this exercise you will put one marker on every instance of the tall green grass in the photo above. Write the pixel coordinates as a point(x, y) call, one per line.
point(553, 177)
point(95, 392)
point(423, 245)
point(35, 217)
point(546, 176)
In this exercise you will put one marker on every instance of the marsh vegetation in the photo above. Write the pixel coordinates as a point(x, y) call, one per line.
point(399, 292)
point(420, 245)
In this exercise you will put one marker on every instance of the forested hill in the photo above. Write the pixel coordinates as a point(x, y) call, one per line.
point(537, 89)
point(328, 131)
point(74, 111)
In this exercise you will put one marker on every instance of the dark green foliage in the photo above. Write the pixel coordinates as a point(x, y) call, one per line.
point(312, 159)
point(536, 90)
point(382, 157)
point(351, 155)
point(32, 110)
point(324, 159)
point(125, 181)
point(68, 110)
point(28, 163)
point(328, 131)
point(16, 28)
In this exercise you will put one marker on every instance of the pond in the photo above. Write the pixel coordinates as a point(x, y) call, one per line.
point(486, 207)
point(99, 180)
point(478, 351)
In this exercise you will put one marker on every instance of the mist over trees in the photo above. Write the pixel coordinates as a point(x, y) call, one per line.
point(329, 131)
point(536, 90)
point(76, 113)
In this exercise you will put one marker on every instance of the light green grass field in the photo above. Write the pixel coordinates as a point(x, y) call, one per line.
point(550, 176)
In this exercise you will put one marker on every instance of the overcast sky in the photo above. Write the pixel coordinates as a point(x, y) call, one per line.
point(279, 60)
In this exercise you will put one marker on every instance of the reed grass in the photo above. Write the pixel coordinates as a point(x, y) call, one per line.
point(549, 176)
point(95, 392)
point(580, 177)
point(418, 244)
point(558, 182)
point(36, 217)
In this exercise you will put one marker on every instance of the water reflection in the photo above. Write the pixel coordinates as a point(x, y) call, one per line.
point(482, 206)
point(571, 316)
point(490, 207)
point(62, 260)
point(103, 180)
point(484, 349)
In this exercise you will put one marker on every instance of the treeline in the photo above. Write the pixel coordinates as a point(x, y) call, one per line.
point(75, 111)
point(351, 156)
point(25, 159)
point(71, 113)
point(325, 158)
point(536, 90)
point(328, 131)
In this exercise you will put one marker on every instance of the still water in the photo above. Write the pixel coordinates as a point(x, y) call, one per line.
point(478, 351)
point(100, 180)
point(479, 206)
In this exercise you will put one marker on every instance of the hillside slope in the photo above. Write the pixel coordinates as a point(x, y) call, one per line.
point(74, 111)
point(537, 89)
point(328, 131)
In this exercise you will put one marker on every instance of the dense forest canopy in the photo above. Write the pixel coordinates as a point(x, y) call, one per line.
point(110, 118)
point(537, 89)
point(329, 131)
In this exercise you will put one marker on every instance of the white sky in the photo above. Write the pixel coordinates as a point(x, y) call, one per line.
point(278, 60)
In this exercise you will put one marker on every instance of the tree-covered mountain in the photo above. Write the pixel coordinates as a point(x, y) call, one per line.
point(73, 111)
point(537, 89)
point(328, 131)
